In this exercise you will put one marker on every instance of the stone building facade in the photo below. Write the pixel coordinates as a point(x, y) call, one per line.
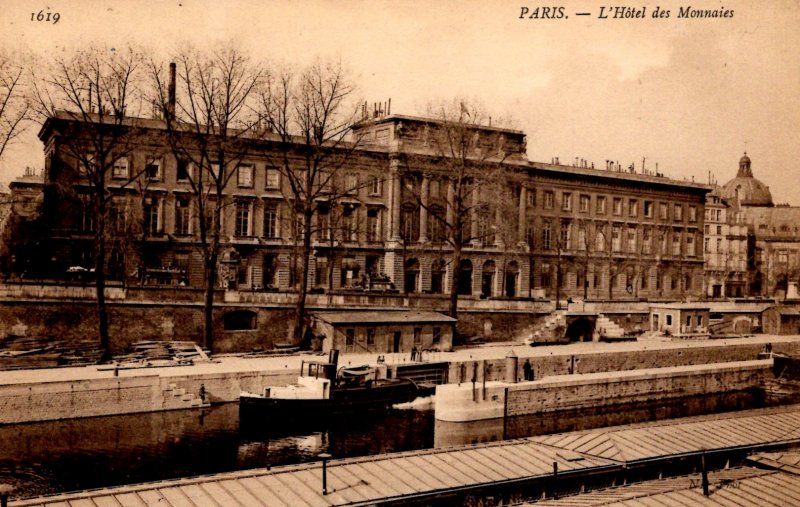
point(726, 250)
point(773, 232)
point(545, 230)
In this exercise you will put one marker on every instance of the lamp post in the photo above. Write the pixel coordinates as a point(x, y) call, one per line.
point(325, 457)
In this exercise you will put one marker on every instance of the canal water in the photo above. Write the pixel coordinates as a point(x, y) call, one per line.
point(52, 457)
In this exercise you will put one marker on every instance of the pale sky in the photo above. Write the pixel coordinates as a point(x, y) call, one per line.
point(688, 94)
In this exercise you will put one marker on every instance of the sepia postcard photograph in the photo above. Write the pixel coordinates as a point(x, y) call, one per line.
point(322, 253)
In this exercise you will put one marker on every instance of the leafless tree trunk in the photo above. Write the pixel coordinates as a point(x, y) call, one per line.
point(470, 158)
point(90, 97)
point(211, 125)
point(309, 116)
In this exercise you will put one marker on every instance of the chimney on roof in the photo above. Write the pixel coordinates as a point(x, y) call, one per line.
point(170, 113)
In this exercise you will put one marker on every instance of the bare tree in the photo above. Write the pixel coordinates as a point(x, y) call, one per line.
point(14, 101)
point(469, 156)
point(90, 97)
point(211, 127)
point(309, 115)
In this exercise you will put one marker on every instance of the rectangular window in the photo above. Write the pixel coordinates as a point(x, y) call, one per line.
point(565, 236)
point(616, 239)
point(531, 197)
point(566, 201)
point(182, 216)
point(676, 243)
point(437, 335)
point(663, 211)
point(707, 229)
point(351, 183)
point(648, 209)
point(272, 179)
point(546, 236)
point(349, 229)
point(244, 176)
point(617, 206)
point(417, 335)
point(548, 199)
point(631, 239)
point(152, 170)
point(692, 213)
point(584, 204)
point(690, 244)
point(582, 241)
point(719, 230)
point(601, 205)
point(678, 213)
point(270, 221)
point(370, 336)
point(374, 224)
point(350, 337)
point(242, 219)
point(152, 215)
point(633, 208)
point(545, 277)
point(182, 173)
point(647, 241)
point(376, 186)
point(120, 168)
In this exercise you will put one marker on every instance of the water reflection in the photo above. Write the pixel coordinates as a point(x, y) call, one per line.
point(449, 433)
point(51, 457)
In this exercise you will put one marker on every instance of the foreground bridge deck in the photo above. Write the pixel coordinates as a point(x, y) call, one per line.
point(419, 475)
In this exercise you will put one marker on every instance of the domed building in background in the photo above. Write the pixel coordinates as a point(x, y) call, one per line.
point(773, 232)
point(745, 189)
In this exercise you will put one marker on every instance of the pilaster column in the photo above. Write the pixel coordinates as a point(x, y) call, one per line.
point(423, 209)
point(522, 222)
point(394, 173)
point(498, 221)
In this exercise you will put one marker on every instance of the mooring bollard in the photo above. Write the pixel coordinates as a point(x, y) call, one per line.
point(325, 457)
point(5, 490)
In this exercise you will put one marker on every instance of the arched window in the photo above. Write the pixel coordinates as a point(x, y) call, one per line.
point(512, 277)
point(487, 279)
point(411, 284)
point(437, 276)
point(465, 277)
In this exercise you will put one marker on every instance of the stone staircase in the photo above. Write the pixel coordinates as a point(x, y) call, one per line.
point(608, 329)
point(177, 398)
point(544, 332)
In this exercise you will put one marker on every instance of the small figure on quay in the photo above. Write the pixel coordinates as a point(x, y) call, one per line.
point(203, 393)
point(527, 370)
point(414, 353)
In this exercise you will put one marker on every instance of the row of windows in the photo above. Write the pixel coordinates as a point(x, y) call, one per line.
point(567, 240)
point(592, 280)
point(245, 176)
point(243, 222)
point(371, 333)
point(618, 204)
